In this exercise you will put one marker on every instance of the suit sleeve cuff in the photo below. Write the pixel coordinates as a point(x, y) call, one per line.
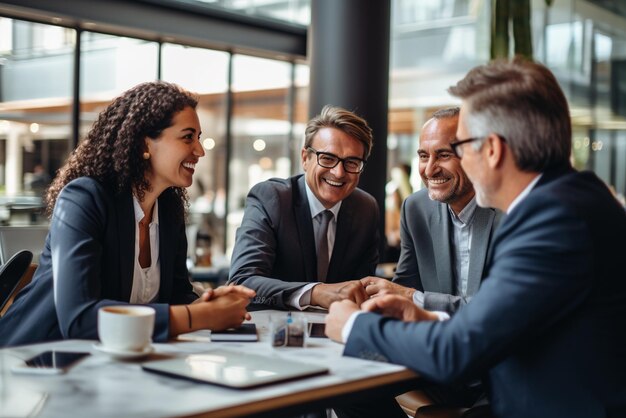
point(347, 327)
point(301, 299)
point(418, 298)
point(443, 316)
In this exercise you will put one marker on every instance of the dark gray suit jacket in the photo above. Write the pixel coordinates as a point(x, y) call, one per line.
point(274, 251)
point(548, 321)
point(90, 252)
point(426, 258)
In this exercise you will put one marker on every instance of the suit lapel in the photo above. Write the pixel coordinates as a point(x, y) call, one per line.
point(126, 243)
point(440, 221)
point(481, 230)
point(306, 238)
point(166, 255)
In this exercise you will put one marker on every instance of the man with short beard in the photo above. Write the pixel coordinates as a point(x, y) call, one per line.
point(445, 236)
point(545, 329)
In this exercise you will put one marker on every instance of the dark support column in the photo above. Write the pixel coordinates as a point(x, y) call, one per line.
point(76, 92)
point(349, 59)
point(229, 146)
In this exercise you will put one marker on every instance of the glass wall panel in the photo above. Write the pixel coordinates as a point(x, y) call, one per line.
point(260, 129)
point(300, 115)
point(204, 72)
point(591, 69)
point(293, 11)
point(620, 166)
point(435, 42)
point(36, 73)
point(109, 66)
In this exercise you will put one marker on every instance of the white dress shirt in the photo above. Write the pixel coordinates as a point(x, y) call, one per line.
point(347, 327)
point(461, 246)
point(463, 226)
point(523, 194)
point(301, 299)
point(146, 281)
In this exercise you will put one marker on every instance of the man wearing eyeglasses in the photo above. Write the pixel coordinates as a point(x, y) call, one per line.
point(306, 240)
point(546, 327)
point(445, 236)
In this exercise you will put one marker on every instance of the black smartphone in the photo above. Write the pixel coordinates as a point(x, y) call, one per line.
point(317, 330)
point(246, 332)
point(49, 362)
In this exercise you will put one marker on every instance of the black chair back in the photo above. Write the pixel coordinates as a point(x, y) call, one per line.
point(10, 274)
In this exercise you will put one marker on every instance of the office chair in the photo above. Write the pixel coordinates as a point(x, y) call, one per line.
point(15, 238)
point(417, 404)
point(10, 274)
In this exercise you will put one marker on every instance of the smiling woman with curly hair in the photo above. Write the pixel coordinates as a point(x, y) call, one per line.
point(111, 152)
point(117, 230)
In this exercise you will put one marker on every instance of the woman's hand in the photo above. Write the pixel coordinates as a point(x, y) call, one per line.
point(224, 290)
point(221, 312)
point(217, 309)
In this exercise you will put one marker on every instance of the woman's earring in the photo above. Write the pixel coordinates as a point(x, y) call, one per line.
point(146, 155)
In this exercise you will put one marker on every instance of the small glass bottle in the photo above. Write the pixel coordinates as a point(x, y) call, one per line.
point(203, 249)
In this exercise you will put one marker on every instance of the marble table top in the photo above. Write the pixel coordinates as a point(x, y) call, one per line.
point(102, 386)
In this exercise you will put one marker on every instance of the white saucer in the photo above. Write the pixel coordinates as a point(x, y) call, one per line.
point(123, 354)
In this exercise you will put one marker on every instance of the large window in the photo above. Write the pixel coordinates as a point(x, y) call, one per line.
point(109, 66)
point(293, 11)
point(205, 72)
point(36, 74)
point(252, 110)
point(435, 42)
point(260, 128)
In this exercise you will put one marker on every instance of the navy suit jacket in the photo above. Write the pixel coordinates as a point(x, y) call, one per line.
point(88, 262)
point(274, 251)
point(547, 324)
point(426, 259)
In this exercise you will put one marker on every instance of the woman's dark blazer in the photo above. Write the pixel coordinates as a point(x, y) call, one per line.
point(88, 263)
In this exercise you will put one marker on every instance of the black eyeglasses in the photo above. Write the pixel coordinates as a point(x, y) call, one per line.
point(459, 150)
point(327, 160)
point(456, 146)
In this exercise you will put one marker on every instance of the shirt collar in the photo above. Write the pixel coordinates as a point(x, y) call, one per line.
point(466, 215)
point(139, 212)
point(316, 206)
point(523, 194)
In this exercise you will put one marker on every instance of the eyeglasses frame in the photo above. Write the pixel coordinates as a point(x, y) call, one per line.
point(458, 142)
point(339, 160)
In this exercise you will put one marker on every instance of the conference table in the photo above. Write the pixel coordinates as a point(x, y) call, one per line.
point(102, 386)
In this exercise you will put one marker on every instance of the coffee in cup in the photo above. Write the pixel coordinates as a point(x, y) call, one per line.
point(126, 327)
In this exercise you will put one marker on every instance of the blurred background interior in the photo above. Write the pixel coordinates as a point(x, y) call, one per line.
point(58, 69)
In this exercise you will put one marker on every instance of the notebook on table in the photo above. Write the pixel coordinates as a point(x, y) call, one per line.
point(234, 369)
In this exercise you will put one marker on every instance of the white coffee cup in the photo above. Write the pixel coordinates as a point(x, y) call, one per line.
point(126, 327)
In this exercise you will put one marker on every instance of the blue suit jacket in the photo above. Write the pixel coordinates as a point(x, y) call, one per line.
point(275, 249)
point(90, 253)
point(548, 323)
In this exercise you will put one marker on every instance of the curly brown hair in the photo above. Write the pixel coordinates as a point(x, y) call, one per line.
point(112, 150)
